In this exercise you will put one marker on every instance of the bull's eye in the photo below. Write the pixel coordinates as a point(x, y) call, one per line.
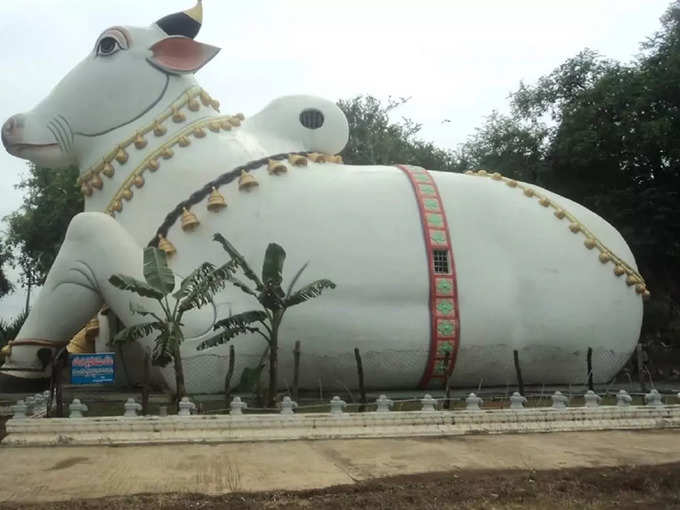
point(107, 46)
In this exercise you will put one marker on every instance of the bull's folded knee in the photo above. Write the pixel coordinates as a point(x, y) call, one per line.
point(85, 226)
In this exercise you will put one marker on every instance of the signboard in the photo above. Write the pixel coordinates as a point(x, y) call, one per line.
point(96, 368)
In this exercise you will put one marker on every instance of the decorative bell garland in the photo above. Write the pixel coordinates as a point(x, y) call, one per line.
point(633, 278)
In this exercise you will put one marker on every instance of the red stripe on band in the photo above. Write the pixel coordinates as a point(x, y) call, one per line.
point(444, 312)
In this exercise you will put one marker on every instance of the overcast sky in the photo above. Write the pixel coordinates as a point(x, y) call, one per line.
point(456, 59)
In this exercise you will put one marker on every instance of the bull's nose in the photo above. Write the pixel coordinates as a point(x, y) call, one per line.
point(11, 127)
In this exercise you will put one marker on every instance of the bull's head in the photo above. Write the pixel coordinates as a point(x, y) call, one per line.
point(129, 72)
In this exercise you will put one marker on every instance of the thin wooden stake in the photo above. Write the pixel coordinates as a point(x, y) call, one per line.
point(59, 387)
point(230, 373)
point(589, 364)
point(146, 383)
point(360, 372)
point(518, 371)
point(296, 370)
point(447, 391)
point(640, 368)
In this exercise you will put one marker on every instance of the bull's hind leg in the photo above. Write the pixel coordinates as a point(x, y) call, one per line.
point(95, 247)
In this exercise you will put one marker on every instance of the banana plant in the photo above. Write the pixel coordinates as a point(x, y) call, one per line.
point(269, 293)
point(194, 291)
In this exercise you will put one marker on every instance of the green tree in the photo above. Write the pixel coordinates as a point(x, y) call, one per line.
point(5, 258)
point(194, 291)
point(37, 229)
point(374, 139)
point(274, 300)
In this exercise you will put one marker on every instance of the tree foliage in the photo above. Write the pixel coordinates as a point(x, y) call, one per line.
point(266, 322)
point(194, 291)
point(37, 229)
point(374, 139)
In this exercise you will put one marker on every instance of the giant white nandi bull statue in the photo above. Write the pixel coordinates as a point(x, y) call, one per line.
point(437, 273)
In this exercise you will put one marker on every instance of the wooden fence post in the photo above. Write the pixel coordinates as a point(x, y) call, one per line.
point(589, 364)
point(146, 382)
point(518, 370)
point(230, 373)
point(296, 370)
point(360, 372)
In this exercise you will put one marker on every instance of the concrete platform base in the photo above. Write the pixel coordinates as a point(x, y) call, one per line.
point(227, 428)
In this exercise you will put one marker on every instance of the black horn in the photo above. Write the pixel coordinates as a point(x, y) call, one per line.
point(186, 23)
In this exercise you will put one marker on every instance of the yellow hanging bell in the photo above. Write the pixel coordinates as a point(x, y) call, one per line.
point(276, 167)
point(246, 182)
point(165, 245)
point(216, 201)
point(297, 160)
point(189, 220)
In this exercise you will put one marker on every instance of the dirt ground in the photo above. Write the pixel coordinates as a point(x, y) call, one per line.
point(620, 488)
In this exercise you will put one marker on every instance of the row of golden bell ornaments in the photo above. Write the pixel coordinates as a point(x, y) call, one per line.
point(247, 182)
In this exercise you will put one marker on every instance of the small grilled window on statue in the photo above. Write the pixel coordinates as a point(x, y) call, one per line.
point(311, 118)
point(441, 261)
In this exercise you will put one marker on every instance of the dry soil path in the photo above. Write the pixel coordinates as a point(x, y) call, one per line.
point(61, 473)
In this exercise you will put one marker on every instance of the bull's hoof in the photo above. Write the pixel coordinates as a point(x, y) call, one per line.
point(11, 384)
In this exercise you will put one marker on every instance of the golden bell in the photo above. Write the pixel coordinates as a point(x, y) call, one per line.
point(6, 351)
point(605, 257)
point(246, 182)
point(297, 160)
point(178, 116)
point(496, 176)
point(167, 153)
point(631, 280)
point(276, 167)
point(199, 132)
point(335, 159)
point(240, 116)
point(152, 165)
point(482, 172)
point(225, 124)
point(512, 184)
point(214, 126)
point(619, 270)
point(126, 194)
point(205, 98)
point(117, 206)
point(559, 214)
point(140, 142)
point(193, 105)
point(165, 245)
point(138, 181)
point(646, 295)
point(235, 121)
point(216, 201)
point(469, 172)
point(92, 328)
point(575, 227)
point(529, 192)
point(589, 243)
point(317, 157)
point(215, 104)
point(121, 156)
point(544, 202)
point(159, 130)
point(189, 220)
point(108, 170)
point(183, 141)
point(97, 182)
point(85, 189)
point(640, 288)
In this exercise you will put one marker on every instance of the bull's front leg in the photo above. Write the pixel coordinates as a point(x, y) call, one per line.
point(95, 247)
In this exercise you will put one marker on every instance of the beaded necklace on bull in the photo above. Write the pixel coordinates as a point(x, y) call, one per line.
point(91, 180)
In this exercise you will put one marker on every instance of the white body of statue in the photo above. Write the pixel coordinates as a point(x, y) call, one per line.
point(146, 138)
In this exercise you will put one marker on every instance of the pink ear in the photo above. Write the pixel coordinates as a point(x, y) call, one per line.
point(179, 54)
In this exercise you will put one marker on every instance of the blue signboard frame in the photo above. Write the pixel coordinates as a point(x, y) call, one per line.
point(98, 368)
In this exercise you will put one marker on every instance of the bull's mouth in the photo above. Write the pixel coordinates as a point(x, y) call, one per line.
point(18, 149)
